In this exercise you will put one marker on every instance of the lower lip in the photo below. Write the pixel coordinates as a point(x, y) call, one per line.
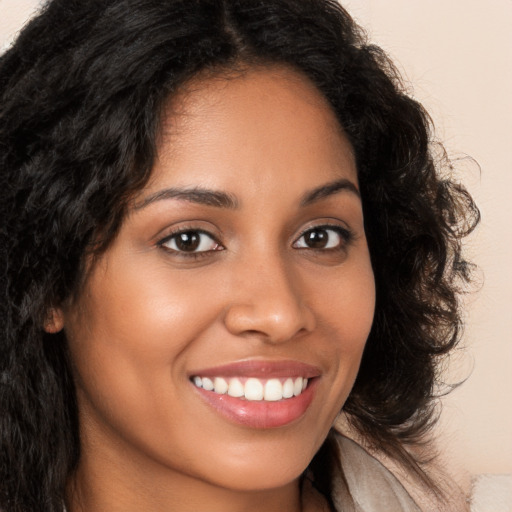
point(259, 413)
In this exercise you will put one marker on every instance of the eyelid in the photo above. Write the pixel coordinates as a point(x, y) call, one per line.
point(182, 226)
point(344, 231)
point(187, 229)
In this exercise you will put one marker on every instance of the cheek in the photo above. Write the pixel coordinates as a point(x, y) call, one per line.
point(346, 303)
point(143, 315)
point(127, 337)
point(346, 313)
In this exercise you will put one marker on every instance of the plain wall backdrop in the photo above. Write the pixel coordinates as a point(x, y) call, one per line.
point(458, 58)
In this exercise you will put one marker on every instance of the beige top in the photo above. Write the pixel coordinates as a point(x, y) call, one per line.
point(371, 486)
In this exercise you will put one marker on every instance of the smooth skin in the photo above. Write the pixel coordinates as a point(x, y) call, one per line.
point(273, 266)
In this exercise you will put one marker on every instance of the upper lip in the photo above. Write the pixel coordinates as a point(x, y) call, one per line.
point(261, 369)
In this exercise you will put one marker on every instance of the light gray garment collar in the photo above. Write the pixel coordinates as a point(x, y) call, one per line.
point(371, 486)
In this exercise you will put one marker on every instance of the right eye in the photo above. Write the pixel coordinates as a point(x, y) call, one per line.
point(324, 238)
point(191, 241)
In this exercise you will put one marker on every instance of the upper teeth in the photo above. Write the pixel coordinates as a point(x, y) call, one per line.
point(270, 390)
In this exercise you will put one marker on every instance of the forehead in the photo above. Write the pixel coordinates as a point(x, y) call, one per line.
point(256, 125)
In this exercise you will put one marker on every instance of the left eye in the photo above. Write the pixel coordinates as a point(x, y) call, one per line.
point(191, 241)
point(321, 238)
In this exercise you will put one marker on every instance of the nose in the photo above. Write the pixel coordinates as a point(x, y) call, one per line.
point(268, 302)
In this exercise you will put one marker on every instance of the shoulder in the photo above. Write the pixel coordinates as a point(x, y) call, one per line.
point(365, 484)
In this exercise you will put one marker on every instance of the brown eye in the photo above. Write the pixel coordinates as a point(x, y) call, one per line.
point(188, 241)
point(191, 241)
point(316, 239)
point(323, 237)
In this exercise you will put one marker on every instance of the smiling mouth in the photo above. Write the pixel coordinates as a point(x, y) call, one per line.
point(253, 389)
point(257, 393)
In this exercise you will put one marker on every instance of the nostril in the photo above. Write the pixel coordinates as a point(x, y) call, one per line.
point(274, 317)
point(253, 332)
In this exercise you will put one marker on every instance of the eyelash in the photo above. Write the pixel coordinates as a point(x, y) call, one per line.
point(189, 254)
point(345, 235)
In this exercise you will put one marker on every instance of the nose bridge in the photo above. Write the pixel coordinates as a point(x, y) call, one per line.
point(269, 299)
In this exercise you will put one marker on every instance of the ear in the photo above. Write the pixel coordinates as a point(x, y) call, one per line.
point(54, 321)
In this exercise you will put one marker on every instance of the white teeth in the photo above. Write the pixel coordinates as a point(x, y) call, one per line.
point(253, 390)
point(297, 386)
point(236, 388)
point(288, 388)
point(207, 384)
point(220, 386)
point(271, 390)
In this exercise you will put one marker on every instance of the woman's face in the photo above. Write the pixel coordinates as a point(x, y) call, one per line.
point(242, 265)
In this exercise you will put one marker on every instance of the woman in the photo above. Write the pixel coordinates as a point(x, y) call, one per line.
point(222, 224)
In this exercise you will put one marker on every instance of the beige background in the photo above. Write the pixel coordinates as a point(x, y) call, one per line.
point(458, 56)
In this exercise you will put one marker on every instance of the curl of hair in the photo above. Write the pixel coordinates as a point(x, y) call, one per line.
point(82, 93)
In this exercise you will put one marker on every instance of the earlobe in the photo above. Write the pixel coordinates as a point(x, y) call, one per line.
point(54, 321)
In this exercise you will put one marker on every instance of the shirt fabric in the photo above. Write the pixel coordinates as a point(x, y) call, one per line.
point(370, 486)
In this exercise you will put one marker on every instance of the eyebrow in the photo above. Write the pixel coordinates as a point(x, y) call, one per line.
point(197, 195)
point(220, 199)
point(329, 189)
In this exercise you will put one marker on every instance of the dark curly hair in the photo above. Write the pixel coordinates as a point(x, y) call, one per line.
point(82, 93)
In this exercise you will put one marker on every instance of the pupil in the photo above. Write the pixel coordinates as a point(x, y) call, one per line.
point(188, 241)
point(317, 239)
